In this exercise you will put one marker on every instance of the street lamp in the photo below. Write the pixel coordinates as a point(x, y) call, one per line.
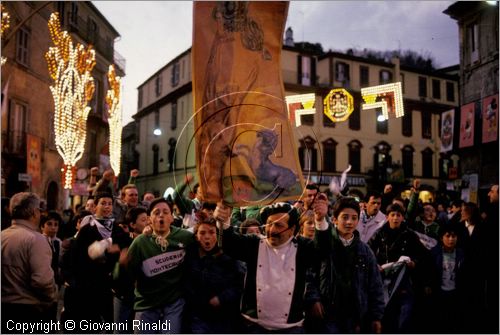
point(381, 118)
point(157, 131)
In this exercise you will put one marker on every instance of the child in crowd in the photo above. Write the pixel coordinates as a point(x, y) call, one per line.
point(214, 283)
point(447, 261)
point(392, 241)
point(349, 279)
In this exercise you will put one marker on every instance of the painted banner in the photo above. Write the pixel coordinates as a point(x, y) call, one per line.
point(490, 118)
point(34, 159)
point(447, 122)
point(245, 152)
point(467, 125)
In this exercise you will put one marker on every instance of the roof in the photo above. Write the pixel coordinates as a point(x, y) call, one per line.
point(102, 17)
point(165, 66)
point(461, 9)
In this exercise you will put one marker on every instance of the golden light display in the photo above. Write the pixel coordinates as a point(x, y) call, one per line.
point(5, 24)
point(73, 88)
point(389, 97)
point(114, 119)
point(338, 105)
point(300, 104)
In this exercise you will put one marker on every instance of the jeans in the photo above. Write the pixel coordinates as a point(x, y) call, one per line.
point(167, 319)
point(123, 313)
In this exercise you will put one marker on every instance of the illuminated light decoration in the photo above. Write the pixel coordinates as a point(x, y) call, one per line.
point(5, 24)
point(73, 88)
point(114, 120)
point(338, 105)
point(389, 97)
point(300, 104)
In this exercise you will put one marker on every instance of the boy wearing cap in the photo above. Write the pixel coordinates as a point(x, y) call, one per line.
point(279, 270)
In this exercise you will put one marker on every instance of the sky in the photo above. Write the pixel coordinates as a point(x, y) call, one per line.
point(155, 32)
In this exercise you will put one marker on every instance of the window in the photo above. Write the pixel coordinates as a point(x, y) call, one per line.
point(17, 126)
point(329, 155)
point(183, 68)
point(92, 30)
point(139, 99)
point(97, 97)
point(307, 119)
point(183, 114)
point(60, 10)
point(422, 86)
point(73, 18)
point(436, 89)
point(156, 159)
point(473, 39)
point(308, 154)
point(450, 91)
point(23, 46)
point(364, 76)
point(355, 117)
point(426, 124)
point(327, 122)
point(342, 73)
point(157, 119)
point(407, 124)
point(355, 155)
point(158, 85)
point(306, 70)
point(175, 74)
point(137, 131)
point(382, 160)
point(173, 123)
point(427, 163)
point(382, 126)
point(402, 79)
point(407, 154)
point(385, 77)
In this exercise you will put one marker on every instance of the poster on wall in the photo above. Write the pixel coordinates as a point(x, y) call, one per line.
point(34, 159)
point(467, 125)
point(490, 118)
point(447, 122)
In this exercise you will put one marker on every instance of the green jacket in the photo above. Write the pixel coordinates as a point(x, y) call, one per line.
point(157, 274)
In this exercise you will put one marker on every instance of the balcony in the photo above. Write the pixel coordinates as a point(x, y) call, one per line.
point(14, 142)
point(80, 27)
point(120, 64)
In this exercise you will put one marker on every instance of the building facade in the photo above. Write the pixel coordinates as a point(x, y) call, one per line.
point(30, 160)
point(478, 32)
point(393, 151)
point(164, 126)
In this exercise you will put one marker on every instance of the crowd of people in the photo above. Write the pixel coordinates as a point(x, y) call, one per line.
point(321, 264)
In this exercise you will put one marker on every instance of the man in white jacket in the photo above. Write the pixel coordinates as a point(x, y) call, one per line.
point(372, 218)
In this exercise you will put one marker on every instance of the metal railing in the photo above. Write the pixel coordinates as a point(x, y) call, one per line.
point(14, 142)
point(120, 62)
